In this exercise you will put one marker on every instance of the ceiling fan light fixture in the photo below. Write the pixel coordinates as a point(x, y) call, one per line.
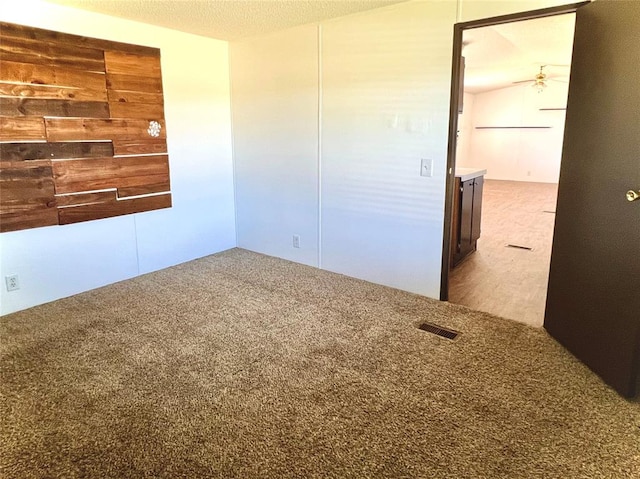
point(539, 85)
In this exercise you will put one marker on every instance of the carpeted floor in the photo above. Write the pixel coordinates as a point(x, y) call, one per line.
point(240, 365)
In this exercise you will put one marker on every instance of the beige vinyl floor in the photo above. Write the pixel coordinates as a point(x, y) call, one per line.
point(497, 279)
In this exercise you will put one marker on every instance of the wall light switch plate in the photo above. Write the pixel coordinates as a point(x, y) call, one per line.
point(426, 167)
point(296, 241)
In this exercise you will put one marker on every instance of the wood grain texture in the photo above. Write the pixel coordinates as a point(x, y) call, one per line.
point(28, 219)
point(22, 128)
point(134, 97)
point(30, 73)
point(21, 31)
point(97, 211)
point(61, 129)
point(23, 90)
point(134, 83)
point(125, 63)
point(28, 50)
point(86, 198)
point(146, 111)
point(23, 189)
point(144, 190)
point(60, 108)
point(54, 151)
point(73, 176)
point(65, 102)
point(139, 147)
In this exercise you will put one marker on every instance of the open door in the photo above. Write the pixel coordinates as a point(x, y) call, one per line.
point(593, 299)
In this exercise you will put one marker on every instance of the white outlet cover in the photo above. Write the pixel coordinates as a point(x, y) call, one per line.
point(12, 282)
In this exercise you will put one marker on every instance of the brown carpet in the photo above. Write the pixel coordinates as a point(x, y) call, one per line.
point(242, 365)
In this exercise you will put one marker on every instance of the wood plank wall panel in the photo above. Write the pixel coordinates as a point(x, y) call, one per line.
point(54, 151)
point(61, 129)
point(23, 90)
point(52, 54)
point(101, 173)
point(65, 108)
point(113, 208)
point(139, 147)
point(30, 73)
point(74, 118)
point(27, 197)
point(22, 128)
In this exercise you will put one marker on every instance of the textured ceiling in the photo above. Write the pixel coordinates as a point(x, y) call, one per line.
point(226, 19)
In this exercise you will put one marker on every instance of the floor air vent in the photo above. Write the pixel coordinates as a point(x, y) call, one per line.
point(440, 331)
point(517, 246)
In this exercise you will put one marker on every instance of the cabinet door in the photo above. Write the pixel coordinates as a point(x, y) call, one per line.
point(466, 215)
point(476, 216)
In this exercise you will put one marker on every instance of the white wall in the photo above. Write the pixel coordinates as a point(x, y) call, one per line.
point(275, 124)
point(517, 154)
point(59, 261)
point(465, 130)
point(384, 96)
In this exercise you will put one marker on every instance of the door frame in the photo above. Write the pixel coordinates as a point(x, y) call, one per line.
point(458, 30)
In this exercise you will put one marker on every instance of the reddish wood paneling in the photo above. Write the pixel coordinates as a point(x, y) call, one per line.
point(64, 108)
point(132, 64)
point(95, 211)
point(28, 219)
point(70, 106)
point(27, 50)
point(101, 173)
point(52, 151)
point(134, 97)
point(22, 128)
point(144, 189)
point(139, 147)
point(134, 83)
point(26, 188)
point(61, 129)
point(79, 199)
point(46, 75)
point(24, 90)
point(136, 110)
point(27, 197)
point(49, 36)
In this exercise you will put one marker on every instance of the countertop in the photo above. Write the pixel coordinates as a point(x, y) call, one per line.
point(469, 173)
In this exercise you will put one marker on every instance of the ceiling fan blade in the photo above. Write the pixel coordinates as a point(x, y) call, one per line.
point(559, 81)
point(523, 81)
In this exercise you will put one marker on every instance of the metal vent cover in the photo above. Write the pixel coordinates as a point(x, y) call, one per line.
point(517, 246)
point(439, 331)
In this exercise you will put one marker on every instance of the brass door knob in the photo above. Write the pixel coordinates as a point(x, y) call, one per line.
point(633, 195)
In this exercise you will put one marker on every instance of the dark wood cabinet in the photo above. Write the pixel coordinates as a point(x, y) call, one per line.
point(467, 215)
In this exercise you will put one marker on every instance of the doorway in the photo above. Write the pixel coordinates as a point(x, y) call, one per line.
point(509, 105)
point(515, 90)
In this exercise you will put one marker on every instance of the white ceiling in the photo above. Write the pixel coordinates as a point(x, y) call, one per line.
point(497, 56)
point(226, 19)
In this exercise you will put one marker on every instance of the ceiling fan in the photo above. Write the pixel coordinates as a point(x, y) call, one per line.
point(539, 82)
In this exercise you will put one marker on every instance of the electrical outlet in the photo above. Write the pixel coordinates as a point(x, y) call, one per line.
point(296, 241)
point(12, 282)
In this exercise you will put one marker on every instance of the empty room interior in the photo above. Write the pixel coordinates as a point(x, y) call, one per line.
point(223, 242)
point(512, 126)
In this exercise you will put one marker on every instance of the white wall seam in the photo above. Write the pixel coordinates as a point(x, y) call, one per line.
point(319, 205)
point(233, 148)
